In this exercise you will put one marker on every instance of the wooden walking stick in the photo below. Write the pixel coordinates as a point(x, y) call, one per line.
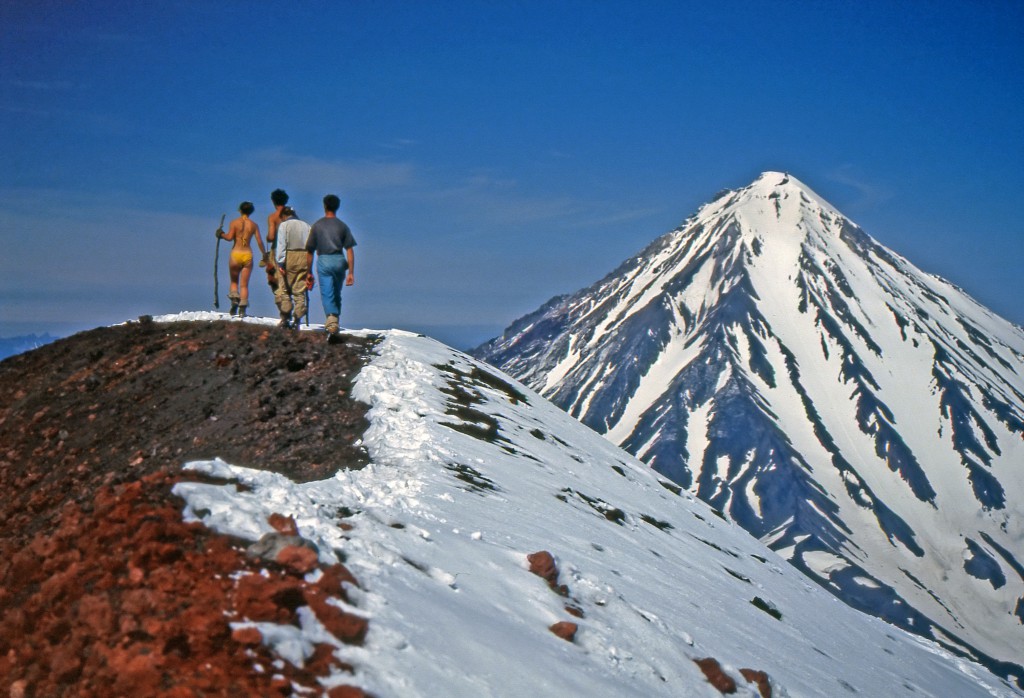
point(216, 261)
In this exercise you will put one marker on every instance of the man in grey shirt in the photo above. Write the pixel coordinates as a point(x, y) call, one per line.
point(332, 242)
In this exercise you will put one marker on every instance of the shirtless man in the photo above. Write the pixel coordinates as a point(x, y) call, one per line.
point(241, 232)
point(278, 197)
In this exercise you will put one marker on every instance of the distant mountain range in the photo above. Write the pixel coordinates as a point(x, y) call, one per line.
point(863, 418)
point(9, 346)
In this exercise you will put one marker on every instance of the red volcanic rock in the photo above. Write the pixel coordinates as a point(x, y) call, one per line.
point(95, 614)
point(65, 663)
point(96, 629)
point(347, 627)
point(346, 692)
point(323, 660)
point(565, 630)
point(760, 679)
point(298, 558)
point(281, 684)
point(247, 636)
point(543, 565)
point(333, 579)
point(283, 524)
point(272, 598)
point(715, 675)
point(136, 673)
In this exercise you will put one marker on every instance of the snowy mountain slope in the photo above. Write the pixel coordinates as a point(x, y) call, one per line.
point(471, 473)
point(863, 418)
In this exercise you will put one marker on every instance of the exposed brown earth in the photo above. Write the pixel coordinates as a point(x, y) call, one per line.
point(104, 590)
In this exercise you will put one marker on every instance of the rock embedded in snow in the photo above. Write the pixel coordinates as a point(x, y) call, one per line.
point(565, 630)
point(542, 564)
point(716, 676)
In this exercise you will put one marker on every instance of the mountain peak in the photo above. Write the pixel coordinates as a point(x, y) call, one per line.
point(775, 206)
point(772, 178)
point(862, 417)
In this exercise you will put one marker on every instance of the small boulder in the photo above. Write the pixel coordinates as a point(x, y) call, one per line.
point(759, 679)
point(346, 692)
point(284, 525)
point(715, 675)
point(565, 630)
point(271, 545)
point(247, 636)
point(542, 564)
point(298, 558)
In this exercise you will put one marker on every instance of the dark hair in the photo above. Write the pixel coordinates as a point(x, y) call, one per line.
point(246, 208)
point(279, 197)
point(331, 203)
point(287, 212)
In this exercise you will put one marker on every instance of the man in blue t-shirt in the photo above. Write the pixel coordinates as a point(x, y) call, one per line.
point(332, 242)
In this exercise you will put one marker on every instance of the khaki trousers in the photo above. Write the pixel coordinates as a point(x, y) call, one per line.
point(295, 273)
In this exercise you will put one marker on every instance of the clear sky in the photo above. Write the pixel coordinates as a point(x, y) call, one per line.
point(488, 155)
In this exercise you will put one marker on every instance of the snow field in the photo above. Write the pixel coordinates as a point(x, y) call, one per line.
point(446, 514)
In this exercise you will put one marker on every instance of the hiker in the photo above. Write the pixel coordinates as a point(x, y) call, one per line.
point(332, 242)
point(292, 266)
point(241, 231)
point(279, 198)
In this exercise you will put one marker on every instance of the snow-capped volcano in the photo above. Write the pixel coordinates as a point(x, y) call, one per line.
point(862, 417)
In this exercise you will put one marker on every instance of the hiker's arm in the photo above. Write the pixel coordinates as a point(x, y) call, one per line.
point(271, 229)
point(351, 267)
point(259, 241)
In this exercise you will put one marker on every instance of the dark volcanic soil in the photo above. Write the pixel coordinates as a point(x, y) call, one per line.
point(103, 589)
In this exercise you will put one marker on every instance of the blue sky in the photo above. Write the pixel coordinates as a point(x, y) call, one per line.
point(489, 155)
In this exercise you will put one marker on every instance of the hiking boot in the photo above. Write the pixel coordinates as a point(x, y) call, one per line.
point(241, 310)
point(332, 324)
point(286, 321)
point(234, 304)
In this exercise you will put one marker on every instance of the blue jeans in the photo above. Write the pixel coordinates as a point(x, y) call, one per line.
point(331, 269)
